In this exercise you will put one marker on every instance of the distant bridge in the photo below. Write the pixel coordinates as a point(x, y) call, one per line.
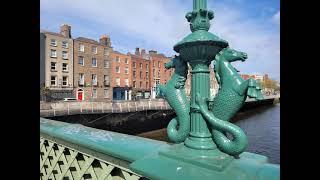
point(51, 109)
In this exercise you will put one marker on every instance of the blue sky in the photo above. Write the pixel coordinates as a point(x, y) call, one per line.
point(252, 26)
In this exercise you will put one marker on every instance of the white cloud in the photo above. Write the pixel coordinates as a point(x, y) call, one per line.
point(161, 24)
point(257, 39)
point(276, 18)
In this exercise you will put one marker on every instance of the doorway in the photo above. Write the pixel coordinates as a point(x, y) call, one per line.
point(80, 95)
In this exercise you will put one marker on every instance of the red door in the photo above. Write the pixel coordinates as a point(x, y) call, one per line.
point(80, 96)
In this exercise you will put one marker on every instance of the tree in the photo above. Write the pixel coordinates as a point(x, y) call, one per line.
point(44, 91)
point(270, 84)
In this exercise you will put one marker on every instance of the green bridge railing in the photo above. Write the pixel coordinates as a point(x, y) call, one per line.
point(73, 151)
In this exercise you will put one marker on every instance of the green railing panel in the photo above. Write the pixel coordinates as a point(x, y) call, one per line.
point(125, 147)
point(58, 161)
point(72, 151)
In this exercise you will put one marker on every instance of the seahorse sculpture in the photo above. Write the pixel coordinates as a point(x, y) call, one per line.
point(231, 96)
point(233, 90)
point(174, 92)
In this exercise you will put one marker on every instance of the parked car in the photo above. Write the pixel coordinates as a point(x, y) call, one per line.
point(69, 99)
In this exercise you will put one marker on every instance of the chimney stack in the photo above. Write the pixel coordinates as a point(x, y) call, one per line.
point(105, 40)
point(143, 52)
point(137, 52)
point(65, 30)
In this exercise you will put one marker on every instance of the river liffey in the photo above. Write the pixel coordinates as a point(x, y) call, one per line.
point(262, 126)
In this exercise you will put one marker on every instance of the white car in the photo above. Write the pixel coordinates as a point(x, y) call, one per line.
point(69, 99)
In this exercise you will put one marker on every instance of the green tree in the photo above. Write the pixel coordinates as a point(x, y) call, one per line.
point(270, 84)
point(44, 91)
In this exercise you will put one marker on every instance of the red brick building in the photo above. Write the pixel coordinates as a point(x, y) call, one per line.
point(147, 71)
point(121, 76)
point(91, 68)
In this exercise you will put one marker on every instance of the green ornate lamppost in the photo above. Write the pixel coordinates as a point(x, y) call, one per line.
point(202, 123)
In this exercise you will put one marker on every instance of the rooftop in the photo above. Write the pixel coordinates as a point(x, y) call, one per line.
point(83, 39)
point(53, 33)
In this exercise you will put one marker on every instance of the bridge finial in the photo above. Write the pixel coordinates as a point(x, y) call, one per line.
point(200, 17)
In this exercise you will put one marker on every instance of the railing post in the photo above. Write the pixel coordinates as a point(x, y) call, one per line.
point(102, 107)
point(135, 103)
point(112, 107)
point(91, 107)
point(68, 109)
point(128, 106)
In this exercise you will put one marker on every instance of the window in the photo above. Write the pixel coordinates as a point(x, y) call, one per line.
point(53, 80)
point(64, 44)
point(106, 51)
point(126, 61)
point(81, 48)
point(140, 74)
point(53, 42)
point(147, 85)
point(153, 72)
point(94, 80)
point(106, 93)
point(134, 64)
point(140, 65)
point(134, 83)
point(94, 62)
point(117, 59)
point(65, 81)
point(64, 55)
point(154, 64)
point(147, 67)
point(53, 53)
point(117, 81)
point(140, 84)
point(117, 69)
point(94, 93)
point(126, 81)
point(159, 74)
point(81, 60)
point(147, 75)
point(126, 70)
point(81, 79)
point(64, 67)
point(94, 50)
point(106, 80)
point(53, 66)
point(134, 74)
point(157, 81)
point(106, 64)
point(158, 64)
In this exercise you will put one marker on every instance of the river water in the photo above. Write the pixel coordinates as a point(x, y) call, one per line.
point(262, 126)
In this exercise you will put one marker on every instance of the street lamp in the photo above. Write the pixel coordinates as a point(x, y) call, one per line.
point(199, 135)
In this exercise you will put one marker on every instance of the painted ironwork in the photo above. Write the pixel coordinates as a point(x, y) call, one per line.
point(58, 161)
point(202, 149)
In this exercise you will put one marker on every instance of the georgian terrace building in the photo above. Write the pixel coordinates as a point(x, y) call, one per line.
point(92, 69)
point(147, 72)
point(121, 76)
point(56, 62)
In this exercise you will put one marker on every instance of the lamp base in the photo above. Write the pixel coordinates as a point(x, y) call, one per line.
point(212, 159)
